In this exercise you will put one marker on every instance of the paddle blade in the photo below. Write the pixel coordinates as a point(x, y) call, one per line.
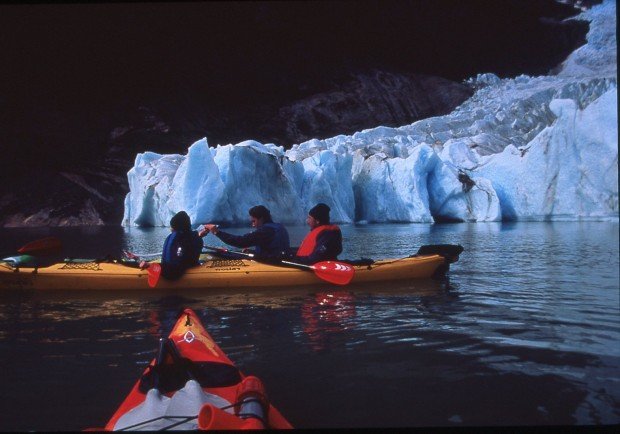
point(154, 272)
point(334, 272)
point(44, 246)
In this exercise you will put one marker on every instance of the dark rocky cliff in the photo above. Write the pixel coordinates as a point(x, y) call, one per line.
point(92, 192)
point(367, 100)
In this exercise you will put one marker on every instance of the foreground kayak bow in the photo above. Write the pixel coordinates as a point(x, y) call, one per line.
point(192, 384)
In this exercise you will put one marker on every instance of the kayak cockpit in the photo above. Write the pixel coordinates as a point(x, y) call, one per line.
point(179, 412)
point(169, 377)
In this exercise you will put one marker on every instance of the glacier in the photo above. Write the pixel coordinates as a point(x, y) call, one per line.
point(539, 148)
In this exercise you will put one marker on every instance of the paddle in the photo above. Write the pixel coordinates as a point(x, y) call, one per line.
point(137, 256)
point(338, 273)
point(154, 272)
point(29, 251)
point(44, 246)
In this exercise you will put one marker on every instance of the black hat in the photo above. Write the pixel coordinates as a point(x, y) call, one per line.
point(181, 222)
point(321, 213)
point(260, 212)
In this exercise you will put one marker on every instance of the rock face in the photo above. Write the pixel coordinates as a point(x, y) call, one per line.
point(91, 189)
point(87, 196)
point(376, 98)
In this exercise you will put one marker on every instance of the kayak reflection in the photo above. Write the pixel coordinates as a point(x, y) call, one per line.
point(326, 315)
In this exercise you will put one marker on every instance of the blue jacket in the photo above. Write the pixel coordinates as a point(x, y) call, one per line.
point(181, 251)
point(270, 240)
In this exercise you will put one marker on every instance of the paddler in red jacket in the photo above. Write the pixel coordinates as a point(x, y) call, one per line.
point(324, 242)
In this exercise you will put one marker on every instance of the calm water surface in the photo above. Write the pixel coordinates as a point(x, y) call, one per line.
point(525, 332)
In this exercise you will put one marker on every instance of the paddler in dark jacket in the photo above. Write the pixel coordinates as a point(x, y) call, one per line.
point(270, 239)
point(324, 242)
point(182, 247)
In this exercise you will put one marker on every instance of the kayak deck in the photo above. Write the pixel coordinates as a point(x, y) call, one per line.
point(212, 273)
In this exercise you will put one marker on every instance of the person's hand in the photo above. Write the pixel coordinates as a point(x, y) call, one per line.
point(144, 264)
point(212, 228)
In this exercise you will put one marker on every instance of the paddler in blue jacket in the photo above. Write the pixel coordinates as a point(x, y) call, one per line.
point(270, 239)
point(182, 248)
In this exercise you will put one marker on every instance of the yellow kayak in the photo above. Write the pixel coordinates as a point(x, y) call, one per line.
point(213, 272)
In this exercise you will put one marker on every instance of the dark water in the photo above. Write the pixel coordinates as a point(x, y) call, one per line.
point(526, 332)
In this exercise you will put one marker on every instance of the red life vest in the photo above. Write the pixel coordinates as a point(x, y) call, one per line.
point(309, 243)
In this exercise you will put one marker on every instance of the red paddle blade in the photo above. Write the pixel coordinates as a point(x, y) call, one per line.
point(154, 272)
point(44, 246)
point(334, 272)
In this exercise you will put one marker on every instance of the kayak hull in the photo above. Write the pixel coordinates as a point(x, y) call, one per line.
point(139, 410)
point(213, 273)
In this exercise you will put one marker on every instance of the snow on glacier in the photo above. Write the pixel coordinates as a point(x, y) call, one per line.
point(523, 148)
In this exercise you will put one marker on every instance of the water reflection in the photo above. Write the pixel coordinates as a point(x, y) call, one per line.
point(327, 314)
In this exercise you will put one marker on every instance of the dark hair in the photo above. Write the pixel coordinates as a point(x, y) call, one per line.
point(260, 212)
point(181, 222)
point(320, 213)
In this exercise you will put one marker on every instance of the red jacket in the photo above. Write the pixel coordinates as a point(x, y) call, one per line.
point(323, 243)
